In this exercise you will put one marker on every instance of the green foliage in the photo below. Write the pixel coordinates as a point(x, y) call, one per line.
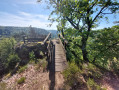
point(6, 47)
point(92, 85)
point(74, 76)
point(77, 18)
point(32, 56)
point(42, 63)
point(114, 65)
point(22, 69)
point(90, 70)
point(71, 74)
point(21, 80)
point(6, 50)
point(105, 42)
point(103, 46)
point(13, 59)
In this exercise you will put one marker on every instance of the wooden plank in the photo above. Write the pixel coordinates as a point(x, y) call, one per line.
point(60, 56)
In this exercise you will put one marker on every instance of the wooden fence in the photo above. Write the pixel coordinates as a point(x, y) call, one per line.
point(27, 39)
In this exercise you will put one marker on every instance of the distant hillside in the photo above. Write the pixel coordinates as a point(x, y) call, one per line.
point(11, 30)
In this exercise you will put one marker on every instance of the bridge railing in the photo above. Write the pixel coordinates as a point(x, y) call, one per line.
point(47, 38)
point(27, 39)
point(63, 43)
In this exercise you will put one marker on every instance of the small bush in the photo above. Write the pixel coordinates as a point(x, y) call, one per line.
point(21, 80)
point(41, 53)
point(32, 57)
point(22, 69)
point(114, 65)
point(71, 74)
point(13, 59)
point(42, 63)
point(93, 86)
point(91, 70)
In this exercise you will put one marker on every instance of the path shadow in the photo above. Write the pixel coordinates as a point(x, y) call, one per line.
point(51, 68)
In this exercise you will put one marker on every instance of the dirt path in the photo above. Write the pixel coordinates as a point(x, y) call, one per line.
point(59, 82)
point(36, 80)
point(110, 81)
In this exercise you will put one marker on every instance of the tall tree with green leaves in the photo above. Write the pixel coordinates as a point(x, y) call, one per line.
point(83, 16)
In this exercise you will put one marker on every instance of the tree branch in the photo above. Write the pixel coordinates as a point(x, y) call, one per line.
point(98, 14)
point(94, 4)
point(70, 20)
point(78, 23)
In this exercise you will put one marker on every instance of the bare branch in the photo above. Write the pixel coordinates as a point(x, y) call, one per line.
point(70, 20)
point(98, 14)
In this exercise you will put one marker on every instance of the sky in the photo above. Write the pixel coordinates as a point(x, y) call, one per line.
point(25, 13)
point(28, 12)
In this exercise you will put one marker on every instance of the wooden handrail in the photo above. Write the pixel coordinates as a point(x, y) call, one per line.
point(48, 36)
point(63, 38)
point(62, 46)
point(64, 41)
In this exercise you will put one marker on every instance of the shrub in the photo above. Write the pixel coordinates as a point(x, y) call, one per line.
point(71, 74)
point(32, 56)
point(22, 69)
point(6, 48)
point(93, 86)
point(42, 63)
point(12, 60)
point(114, 65)
point(21, 80)
point(90, 70)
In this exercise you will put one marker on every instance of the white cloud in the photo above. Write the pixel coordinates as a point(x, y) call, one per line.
point(34, 16)
point(24, 13)
point(25, 19)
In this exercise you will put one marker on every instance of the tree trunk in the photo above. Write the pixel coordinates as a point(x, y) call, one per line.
point(83, 48)
point(85, 38)
point(62, 33)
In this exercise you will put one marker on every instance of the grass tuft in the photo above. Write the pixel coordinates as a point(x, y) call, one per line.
point(22, 69)
point(21, 80)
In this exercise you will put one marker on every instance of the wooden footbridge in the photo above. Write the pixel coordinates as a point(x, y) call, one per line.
point(57, 54)
point(55, 50)
point(60, 55)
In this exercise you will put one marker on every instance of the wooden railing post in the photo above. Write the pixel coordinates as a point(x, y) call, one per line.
point(25, 39)
point(47, 38)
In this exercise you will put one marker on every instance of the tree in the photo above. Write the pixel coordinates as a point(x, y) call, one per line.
point(83, 16)
point(105, 44)
point(32, 32)
point(6, 50)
